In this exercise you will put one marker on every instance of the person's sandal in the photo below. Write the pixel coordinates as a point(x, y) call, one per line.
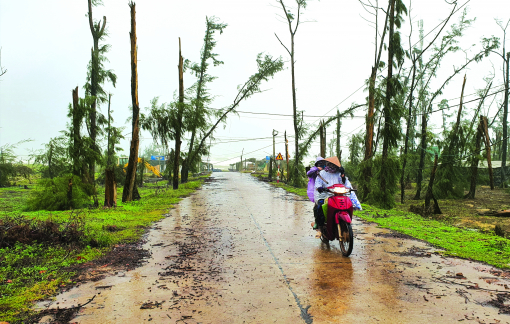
point(318, 234)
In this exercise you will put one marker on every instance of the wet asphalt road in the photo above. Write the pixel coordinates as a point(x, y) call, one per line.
point(242, 251)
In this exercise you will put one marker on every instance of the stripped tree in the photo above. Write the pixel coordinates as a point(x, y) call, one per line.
point(299, 132)
point(129, 193)
point(96, 77)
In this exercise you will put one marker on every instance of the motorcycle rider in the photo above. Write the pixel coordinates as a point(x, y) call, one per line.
point(332, 174)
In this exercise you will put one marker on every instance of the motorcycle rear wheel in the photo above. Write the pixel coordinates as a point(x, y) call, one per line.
point(324, 235)
point(346, 238)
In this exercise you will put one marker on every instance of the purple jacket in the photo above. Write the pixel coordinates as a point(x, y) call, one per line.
point(312, 174)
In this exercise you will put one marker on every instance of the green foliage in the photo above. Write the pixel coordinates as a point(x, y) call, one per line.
point(356, 148)
point(197, 117)
point(451, 179)
point(305, 146)
point(160, 121)
point(54, 158)
point(8, 168)
point(52, 194)
point(384, 182)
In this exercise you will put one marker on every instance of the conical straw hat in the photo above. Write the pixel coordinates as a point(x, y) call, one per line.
point(334, 160)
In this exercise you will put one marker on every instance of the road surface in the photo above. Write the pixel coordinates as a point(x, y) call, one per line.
point(242, 251)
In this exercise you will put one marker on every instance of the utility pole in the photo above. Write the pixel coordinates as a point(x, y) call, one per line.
point(338, 135)
point(209, 155)
point(273, 157)
point(241, 164)
point(287, 154)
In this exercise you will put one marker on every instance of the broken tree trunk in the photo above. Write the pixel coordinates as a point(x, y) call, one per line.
point(75, 154)
point(322, 135)
point(474, 163)
point(129, 186)
point(180, 109)
point(488, 149)
point(408, 131)
point(429, 193)
point(110, 189)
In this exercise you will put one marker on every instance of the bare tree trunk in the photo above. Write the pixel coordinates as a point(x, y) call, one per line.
point(389, 94)
point(110, 185)
point(505, 122)
point(419, 175)
point(322, 135)
point(76, 135)
point(408, 131)
point(96, 35)
point(110, 190)
point(179, 121)
point(129, 186)
point(430, 194)
point(488, 149)
point(474, 163)
point(110, 148)
point(50, 156)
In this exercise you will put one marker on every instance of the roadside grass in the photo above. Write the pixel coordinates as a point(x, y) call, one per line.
point(30, 272)
point(467, 243)
point(298, 191)
point(460, 242)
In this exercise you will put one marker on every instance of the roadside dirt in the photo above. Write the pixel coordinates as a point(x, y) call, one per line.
point(242, 251)
point(468, 212)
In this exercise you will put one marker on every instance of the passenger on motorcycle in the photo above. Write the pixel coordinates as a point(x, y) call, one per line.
point(332, 174)
point(320, 163)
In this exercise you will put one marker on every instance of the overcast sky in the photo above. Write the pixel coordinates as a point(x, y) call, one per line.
point(46, 48)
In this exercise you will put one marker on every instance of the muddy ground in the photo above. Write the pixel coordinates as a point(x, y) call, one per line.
point(469, 213)
point(242, 251)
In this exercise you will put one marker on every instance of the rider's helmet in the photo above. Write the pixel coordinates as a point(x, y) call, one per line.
point(320, 162)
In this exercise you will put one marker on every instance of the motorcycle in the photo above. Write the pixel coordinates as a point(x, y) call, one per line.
point(339, 218)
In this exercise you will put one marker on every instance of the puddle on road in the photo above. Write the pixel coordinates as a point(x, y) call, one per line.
point(250, 255)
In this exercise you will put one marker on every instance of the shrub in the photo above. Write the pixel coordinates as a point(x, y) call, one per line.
point(384, 176)
point(53, 194)
point(21, 229)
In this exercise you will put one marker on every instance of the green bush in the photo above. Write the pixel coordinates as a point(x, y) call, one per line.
point(384, 176)
point(52, 194)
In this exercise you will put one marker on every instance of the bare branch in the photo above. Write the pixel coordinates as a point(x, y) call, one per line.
point(283, 45)
point(368, 21)
point(91, 23)
point(437, 35)
point(287, 16)
point(382, 37)
point(298, 16)
point(102, 29)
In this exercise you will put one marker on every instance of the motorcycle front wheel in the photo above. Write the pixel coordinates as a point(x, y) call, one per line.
point(346, 238)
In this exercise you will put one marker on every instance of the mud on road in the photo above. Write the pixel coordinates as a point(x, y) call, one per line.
point(241, 251)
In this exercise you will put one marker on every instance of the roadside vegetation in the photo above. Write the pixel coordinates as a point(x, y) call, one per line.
point(38, 249)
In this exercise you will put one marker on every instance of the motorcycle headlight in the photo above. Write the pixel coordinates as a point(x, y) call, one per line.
point(341, 190)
